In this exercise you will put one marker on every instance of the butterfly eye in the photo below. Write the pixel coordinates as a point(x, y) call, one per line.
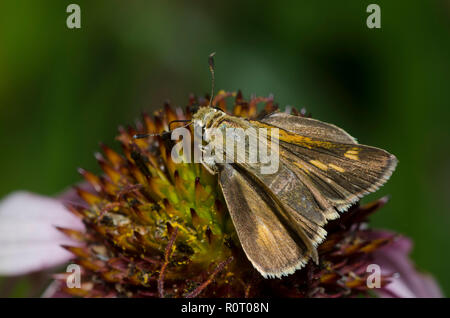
point(195, 109)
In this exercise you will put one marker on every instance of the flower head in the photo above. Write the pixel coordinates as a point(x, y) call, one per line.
point(154, 228)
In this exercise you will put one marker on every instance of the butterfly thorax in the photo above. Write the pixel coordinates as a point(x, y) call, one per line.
point(205, 117)
point(209, 117)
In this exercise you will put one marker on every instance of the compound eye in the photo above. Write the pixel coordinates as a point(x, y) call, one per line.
point(195, 109)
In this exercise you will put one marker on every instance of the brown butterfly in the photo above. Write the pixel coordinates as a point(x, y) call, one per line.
point(322, 170)
point(280, 217)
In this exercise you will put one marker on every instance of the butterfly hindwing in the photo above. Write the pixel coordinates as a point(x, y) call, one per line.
point(273, 249)
point(302, 210)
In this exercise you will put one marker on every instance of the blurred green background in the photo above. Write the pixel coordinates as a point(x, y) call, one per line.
point(62, 91)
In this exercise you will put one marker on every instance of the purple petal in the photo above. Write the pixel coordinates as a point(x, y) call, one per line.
point(407, 282)
point(28, 238)
point(71, 196)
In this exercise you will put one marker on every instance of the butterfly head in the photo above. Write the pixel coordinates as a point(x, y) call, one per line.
point(206, 116)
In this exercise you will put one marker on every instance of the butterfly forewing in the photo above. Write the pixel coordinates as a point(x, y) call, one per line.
point(308, 126)
point(339, 172)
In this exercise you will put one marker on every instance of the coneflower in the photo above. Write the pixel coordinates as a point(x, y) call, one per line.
point(154, 228)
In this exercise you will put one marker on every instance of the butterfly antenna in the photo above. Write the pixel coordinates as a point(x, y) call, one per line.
point(140, 136)
point(180, 121)
point(211, 69)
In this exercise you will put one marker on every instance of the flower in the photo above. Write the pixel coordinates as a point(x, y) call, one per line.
point(406, 282)
point(149, 227)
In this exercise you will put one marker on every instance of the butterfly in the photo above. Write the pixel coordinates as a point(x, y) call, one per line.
point(321, 171)
point(280, 217)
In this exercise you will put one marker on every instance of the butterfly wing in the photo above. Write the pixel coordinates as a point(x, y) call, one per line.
point(342, 173)
point(270, 245)
point(322, 170)
point(327, 160)
point(303, 214)
point(314, 128)
point(302, 211)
